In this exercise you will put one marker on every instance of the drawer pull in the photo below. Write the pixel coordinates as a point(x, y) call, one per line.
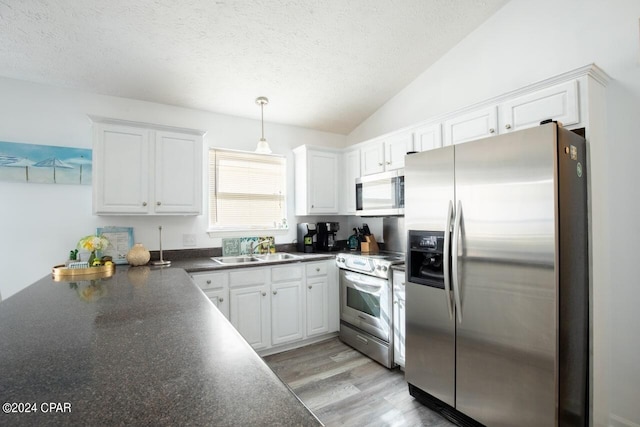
point(363, 339)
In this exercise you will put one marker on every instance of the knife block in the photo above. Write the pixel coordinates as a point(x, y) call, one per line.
point(369, 245)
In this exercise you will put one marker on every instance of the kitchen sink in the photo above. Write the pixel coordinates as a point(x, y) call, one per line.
point(278, 256)
point(233, 260)
point(248, 259)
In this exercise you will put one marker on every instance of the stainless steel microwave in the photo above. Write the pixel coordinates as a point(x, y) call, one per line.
point(380, 194)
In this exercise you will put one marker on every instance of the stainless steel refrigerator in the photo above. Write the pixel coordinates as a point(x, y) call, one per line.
point(497, 279)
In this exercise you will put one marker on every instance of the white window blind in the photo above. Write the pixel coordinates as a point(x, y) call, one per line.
point(246, 190)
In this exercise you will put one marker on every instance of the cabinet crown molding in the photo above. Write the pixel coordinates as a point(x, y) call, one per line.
point(153, 126)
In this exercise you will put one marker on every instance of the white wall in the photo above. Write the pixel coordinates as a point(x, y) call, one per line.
point(526, 42)
point(40, 223)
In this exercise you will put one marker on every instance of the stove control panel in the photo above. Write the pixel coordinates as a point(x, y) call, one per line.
point(376, 265)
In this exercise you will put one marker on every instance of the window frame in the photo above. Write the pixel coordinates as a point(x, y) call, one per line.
point(240, 230)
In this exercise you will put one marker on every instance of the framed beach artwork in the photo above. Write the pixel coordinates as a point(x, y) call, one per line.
point(44, 164)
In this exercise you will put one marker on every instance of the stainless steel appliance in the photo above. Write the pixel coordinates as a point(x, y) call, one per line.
point(326, 239)
point(380, 194)
point(497, 279)
point(366, 317)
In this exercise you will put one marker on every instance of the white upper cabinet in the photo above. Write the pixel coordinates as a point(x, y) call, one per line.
point(477, 124)
point(427, 137)
point(142, 169)
point(316, 181)
point(386, 153)
point(120, 169)
point(178, 173)
point(395, 148)
point(558, 102)
point(351, 164)
point(372, 158)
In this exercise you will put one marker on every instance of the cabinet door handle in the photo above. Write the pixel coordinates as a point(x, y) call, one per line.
point(208, 282)
point(264, 294)
point(310, 286)
point(388, 163)
point(379, 164)
point(221, 299)
point(492, 130)
point(318, 269)
point(507, 126)
point(275, 292)
point(158, 203)
point(144, 203)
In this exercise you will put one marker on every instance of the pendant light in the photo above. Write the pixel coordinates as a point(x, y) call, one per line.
point(263, 146)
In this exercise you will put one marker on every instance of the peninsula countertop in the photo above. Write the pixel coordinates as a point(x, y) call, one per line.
point(143, 347)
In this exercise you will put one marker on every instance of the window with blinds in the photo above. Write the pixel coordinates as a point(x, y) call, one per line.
point(246, 190)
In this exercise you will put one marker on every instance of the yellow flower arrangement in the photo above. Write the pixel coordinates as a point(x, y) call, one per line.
point(93, 243)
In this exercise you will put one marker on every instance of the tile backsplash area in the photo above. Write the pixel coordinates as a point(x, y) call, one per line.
point(244, 245)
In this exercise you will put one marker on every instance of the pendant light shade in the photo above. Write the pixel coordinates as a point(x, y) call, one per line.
point(263, 145)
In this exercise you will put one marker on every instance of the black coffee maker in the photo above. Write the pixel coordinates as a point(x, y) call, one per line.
point(327, 236)
point(306, 231)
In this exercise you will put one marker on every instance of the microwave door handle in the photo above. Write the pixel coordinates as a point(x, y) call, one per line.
point(454, 259)
point(447, 246)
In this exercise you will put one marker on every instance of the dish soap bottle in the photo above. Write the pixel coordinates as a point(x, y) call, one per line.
point(353, 240)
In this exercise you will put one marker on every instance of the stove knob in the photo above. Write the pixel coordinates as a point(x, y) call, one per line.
point(384, 268)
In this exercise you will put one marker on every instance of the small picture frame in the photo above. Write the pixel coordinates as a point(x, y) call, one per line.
point(120, 242)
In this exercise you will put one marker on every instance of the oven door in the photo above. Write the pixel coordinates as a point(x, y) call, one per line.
point(365, 302)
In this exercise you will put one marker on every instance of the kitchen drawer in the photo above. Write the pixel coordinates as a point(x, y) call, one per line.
point(316, 269)
point(210, 280)
point(286, 273)
point(249, 276)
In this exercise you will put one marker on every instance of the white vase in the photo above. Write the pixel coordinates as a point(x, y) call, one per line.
point(138, 255)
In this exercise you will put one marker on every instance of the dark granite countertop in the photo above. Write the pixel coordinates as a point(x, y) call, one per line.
point(143, 347)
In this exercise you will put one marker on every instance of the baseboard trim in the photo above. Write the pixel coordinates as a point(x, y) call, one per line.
point(297, 344)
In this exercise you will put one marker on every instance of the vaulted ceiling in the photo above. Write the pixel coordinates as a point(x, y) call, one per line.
point(324, 64)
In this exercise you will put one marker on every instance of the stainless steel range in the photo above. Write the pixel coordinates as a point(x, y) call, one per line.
point(366, 317)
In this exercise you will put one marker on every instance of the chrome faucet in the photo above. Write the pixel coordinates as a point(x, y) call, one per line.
point(252, 249)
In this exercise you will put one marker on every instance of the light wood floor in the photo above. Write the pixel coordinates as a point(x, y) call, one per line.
point(345, 388)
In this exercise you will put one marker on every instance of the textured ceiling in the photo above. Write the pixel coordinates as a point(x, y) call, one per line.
point(324, 64)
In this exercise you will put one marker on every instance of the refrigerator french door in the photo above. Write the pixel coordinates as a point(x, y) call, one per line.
point(502, 336)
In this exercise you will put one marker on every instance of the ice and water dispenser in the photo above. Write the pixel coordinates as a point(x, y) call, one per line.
point(426, 256)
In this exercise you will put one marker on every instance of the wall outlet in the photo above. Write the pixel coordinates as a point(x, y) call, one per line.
point(188, 240)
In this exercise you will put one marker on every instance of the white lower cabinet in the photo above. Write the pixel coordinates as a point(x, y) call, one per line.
point(276, 306)
point(317, 300)
point(399, 329)
point(250, 314)
point(286, 304)
point(216, 287)
point(250, 305)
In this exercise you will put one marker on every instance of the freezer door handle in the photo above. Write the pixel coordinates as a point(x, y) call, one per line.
point(454, 261)
point(447, 245)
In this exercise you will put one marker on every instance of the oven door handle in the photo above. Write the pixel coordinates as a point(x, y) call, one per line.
point(365, 287)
